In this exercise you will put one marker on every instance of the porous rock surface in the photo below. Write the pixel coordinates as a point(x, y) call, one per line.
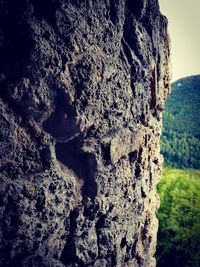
point(82, 88)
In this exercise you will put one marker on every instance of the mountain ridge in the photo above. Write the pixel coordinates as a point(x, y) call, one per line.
point(180, 141)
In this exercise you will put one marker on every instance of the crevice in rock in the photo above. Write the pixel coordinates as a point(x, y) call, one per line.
point(98, 241)
point(113, 12)
point(123, 242)
point(40, 201)
point(113, 259)
point(153, 88)
point(132, 156)
point(127, 51)
point(101, 222)
point(69, 252)
point(137, 170)
point(62, 124)
point(136, 7)
point(83, 164)
point(128, 253)
point(105, 148)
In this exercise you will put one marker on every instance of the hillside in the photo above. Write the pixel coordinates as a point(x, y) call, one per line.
point(180, 142)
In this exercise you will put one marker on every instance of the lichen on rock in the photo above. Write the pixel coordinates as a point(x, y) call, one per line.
point(82, 88)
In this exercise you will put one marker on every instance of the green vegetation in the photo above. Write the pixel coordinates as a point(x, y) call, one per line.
point(179, 219)
point(180, 142)
point(179, 190)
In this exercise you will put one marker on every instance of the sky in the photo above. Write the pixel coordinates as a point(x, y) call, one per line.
point(184, 30)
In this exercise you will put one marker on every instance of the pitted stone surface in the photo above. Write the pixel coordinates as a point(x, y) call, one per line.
point(82, 88)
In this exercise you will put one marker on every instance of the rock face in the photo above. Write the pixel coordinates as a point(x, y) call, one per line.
point(82, 87)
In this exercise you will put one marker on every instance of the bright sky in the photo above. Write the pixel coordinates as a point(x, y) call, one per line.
point(184, 30)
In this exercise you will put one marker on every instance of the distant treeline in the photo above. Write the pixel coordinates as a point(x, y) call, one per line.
point(180, 141)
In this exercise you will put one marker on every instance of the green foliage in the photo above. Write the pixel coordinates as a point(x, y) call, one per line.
point(180, 141)
point(179, 219)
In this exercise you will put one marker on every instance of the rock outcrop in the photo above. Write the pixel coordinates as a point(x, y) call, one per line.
point(82, 88)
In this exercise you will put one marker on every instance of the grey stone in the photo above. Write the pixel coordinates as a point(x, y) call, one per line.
point(82, 88)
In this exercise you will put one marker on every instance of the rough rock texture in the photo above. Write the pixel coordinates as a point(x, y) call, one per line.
point(82, 87)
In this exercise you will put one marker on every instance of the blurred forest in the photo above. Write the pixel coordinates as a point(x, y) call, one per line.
point(179, 188)
point(180, 141)
point(179, 219)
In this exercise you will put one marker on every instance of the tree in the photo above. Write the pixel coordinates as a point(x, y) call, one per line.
point(179, 219)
